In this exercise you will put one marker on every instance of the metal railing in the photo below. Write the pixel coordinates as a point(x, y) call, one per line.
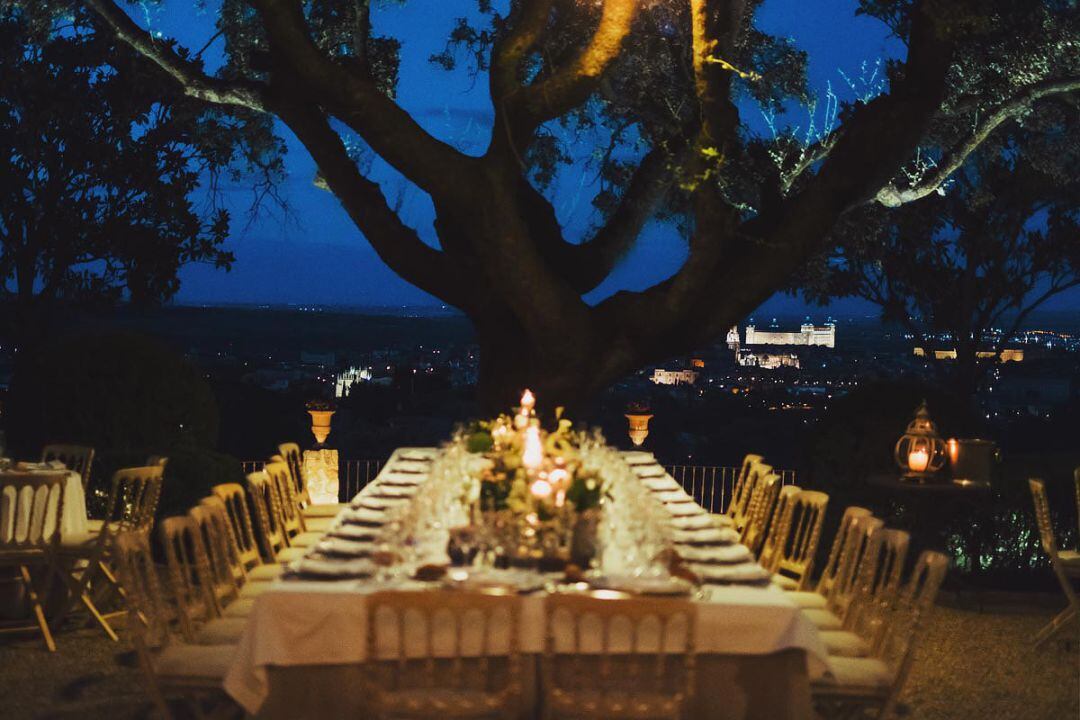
point(710, 485)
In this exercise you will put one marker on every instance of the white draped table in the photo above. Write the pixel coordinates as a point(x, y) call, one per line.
point(302, 651)
point(73, 524)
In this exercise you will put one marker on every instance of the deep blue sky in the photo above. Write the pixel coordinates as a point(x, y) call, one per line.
point(314, 254)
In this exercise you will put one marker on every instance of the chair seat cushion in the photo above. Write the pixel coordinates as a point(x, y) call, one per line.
point(223, 631)
point(254, 589)
point(807, 599)
point(289, 554)
point(857, 674)
point(844, 644)
point(206, 662)
point(318, 524)
point(305, 539)
point(82, 543)
point(823, 619)
point(328, 510)
point(784, 582)
point(264, 573)
point(240, 608)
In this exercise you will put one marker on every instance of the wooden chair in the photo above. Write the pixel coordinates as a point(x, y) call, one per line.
point(742, 503)
point(858, 557)
point(817, 598)
point(426, 679)
point(295, 460)
point(798, 543)
point(646, 672)
point(194, 672)
point(737, 492)
point(31, 505)
point(78, 458)
point(274, 547)
point(779, 526)
point(875, 682)
point(234, 501)
point(876, 586)
point(291, 517)
point(190, 575)
point(762, 504)
point(1065, 564)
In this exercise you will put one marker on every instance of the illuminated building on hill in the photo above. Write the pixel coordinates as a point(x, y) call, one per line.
point(808, 334)
point(674, 377)
point(1006, 355)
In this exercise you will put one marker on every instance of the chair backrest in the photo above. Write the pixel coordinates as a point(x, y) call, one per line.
point(856, 552)
point(133, 499)
point(267, 514)
point(211, 525)
point(645, 638)
point(832, 564)
point(1049, 541)
point(147, 617)
point(290, 451)
point(31, 506)
point(762, 504)
point(740, 483)
point(878, 579)
point(292, 521)
point(744, 503)
point(779, 526)
point(79, 458)
point(421, 633)
point(190, 576)
point(218, 518)
point(905, 619)
point(798, 547)
point(161, 460)
point(234, 498)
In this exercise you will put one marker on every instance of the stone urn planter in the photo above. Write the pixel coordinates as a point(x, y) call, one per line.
point(320, 424)
point(639, 427)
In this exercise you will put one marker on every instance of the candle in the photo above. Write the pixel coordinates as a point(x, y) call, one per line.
point(954, 452)
point(541, 489)
point(534, 449)
point(918, 460)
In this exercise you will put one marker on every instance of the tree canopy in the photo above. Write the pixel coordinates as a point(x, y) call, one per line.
point(665, 80)
point(102, 156)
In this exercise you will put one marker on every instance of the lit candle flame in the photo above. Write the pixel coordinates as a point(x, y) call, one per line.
point(918, 460)
point(534, 449)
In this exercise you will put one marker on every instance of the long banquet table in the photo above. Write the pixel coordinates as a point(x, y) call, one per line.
point(303, 649)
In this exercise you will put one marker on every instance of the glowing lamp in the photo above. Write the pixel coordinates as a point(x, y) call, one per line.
point(528, 401)
point(541, 489)
point(920, 452)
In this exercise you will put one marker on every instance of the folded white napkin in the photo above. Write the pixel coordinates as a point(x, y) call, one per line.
point(353, 532)
point(411, 466)
point(685, 509)
point(673, 496)
point(714, 554)
point(661, 484)
point(363, 516)
point(746, 573)
point(705, 536)
point(386, 490)
point(343, 547)
point(398, 478)
point(335, 569)
point(427, 454)
point(637, 457)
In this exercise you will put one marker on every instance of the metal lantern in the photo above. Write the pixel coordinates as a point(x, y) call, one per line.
point(921, 452)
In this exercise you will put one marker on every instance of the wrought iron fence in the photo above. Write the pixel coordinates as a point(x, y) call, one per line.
point(710, 485)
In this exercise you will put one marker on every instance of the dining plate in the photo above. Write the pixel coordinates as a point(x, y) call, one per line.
point(401, 478)
point(494, 580)
point(714, 554)
point(331, 569)
point(742, 574)
point(343, 547)
point(670, 497)
point(384, 490)
point(363, 516)
point(353, 532)
point(638, 457)
point(411, 466)
point(661, 484)
point(641, 585)
point(697, 521)
point(377, 503)
point(685, 509)
point(649, 471)
point(705, 536)
point(425, 455)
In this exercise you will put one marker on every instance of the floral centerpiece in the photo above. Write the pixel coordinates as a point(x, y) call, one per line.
point(535, 482)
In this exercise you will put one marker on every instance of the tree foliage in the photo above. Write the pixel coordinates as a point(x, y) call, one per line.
point(102, 154)
point(666, 81)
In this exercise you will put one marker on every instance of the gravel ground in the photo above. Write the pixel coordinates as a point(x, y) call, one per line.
point(972, 665)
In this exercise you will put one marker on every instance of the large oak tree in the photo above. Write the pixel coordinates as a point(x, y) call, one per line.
point(667, 74)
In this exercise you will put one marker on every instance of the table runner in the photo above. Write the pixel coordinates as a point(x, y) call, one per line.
point(305, 624)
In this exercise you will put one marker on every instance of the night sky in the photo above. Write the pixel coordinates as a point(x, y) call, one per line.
point(314, 255)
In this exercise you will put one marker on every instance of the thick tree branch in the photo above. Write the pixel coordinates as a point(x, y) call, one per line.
point(398, 245)
point(357, 101)
point(953, 159)
point(527, 26)
point(194, 81)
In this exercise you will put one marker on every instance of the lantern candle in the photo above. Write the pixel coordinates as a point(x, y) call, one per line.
point(534, 449)
point(918, 460)
point(954, 452)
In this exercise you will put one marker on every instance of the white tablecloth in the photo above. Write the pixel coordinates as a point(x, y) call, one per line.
point(74, 522)
point(299, 623)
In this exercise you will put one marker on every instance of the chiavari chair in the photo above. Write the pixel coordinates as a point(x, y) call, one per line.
point(798, 543)
point(591, 668)
point(875, 682)
point(1065, 564)
point(267, 516)
point(779, 526)
point(877, 585)
point(195, 672)
point(742, 503)
point(190, 575)
point(860, 557)
point(294, 459)
point(291, 518)
point(233, 499)
point(817, 598)
point(762, 504)
point(78, 458)
point(449, 671)
point(738, 490)
point(31, 508)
